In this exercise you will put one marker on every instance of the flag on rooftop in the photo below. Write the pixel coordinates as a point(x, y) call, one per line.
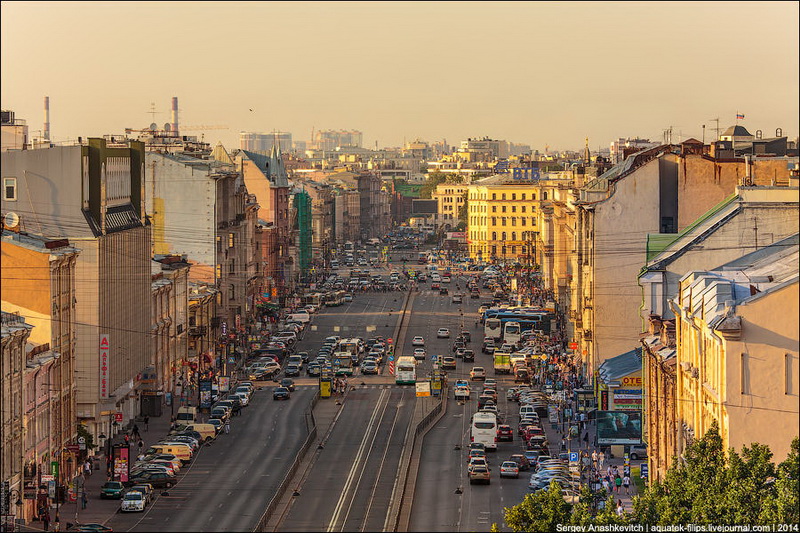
point(739, 116)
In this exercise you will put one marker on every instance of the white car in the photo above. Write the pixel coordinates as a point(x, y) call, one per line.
point(443, 333)
point(132, 501)
point(509, 469)
point(418, 341)
point(461, 393)
point(419, 354)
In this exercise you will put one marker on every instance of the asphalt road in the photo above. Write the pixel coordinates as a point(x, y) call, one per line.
point(443, 468)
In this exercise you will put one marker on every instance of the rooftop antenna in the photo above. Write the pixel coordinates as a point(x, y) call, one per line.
point(153, 112)
point(716, 130)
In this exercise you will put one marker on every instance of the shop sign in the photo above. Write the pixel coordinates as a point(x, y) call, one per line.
point(104, 350)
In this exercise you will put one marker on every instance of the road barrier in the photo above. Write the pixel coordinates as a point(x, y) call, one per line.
point(312, 436)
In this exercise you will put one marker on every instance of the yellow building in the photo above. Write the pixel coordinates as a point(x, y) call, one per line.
point(501, 222)
point(450, 198)
point(737, 350)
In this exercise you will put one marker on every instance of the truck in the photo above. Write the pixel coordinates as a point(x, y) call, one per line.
point(502, 363)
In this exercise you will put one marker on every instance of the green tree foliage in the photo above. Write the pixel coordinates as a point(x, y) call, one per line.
point(705, 486)
point(463, 211)
point(83, 432)
point(434, 179)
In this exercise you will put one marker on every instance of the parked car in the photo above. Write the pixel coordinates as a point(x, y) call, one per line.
point(159, 480)
point(112, 489)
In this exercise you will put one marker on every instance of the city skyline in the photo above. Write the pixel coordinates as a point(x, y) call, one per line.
point(532, 73)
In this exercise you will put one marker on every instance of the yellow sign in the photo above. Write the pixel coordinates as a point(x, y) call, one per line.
point(423, 388)
point(325, 388)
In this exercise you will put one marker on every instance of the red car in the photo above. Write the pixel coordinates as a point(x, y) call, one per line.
point(533, 431)
point(505, 433)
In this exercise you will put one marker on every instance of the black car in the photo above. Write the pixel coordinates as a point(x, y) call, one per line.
point(288, 384)
point(266, 374)
point(158, 480)
point(443, 291)
point(303, 355)
point(468, 356)
point(281, 393)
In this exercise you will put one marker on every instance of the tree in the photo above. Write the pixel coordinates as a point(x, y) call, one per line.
point(540, 511)
point(784, 508)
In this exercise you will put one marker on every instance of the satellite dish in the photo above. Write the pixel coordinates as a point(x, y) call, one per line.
point(153, 126)
point(167, 126)
point(11, 220)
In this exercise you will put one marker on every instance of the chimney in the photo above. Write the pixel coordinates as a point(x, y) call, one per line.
point(175, 115)
point(46, 132)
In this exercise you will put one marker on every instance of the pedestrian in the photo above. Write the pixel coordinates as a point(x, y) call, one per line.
point(141, 445)
point(601, 457)
point(563, 444)
point(135, 431)
point(227, 427)
point(626, 482)
point(620, 508)
point(586, 440)
point(87, 467)
point(605, 484)
point(46, 519)
point(617, 483)
point(594, 458)
point(84, 499)
point(146, 423)
point(127, 439)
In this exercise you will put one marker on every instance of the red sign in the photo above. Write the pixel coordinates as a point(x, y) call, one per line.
point(104, 351)
point(118, 417)
point(573, 346)
point(75, 449)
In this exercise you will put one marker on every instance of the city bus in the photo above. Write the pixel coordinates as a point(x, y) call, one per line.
point(406, 370)
point(492, 329)
point(352, 346)
point(512, 332)
point(484, 429)
point(334, 298)
point(342, 364)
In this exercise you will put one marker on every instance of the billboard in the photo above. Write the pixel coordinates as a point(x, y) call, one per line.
point(619, 427)
point(104, 348)
point(424, 206)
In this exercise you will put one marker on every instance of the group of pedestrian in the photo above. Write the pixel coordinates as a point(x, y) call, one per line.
point(339, 385)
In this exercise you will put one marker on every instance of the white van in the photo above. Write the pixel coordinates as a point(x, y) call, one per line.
point(186, 415)
point(526, 410)
point(300, 316)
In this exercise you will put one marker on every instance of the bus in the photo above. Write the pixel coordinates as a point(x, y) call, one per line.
point(512, 332)
point(406, 370)
point(422, 258)
point(492, 329)
point(316, 299)
point(342, 364)
point(334, 298)
point(484, 429)
point(352, 346)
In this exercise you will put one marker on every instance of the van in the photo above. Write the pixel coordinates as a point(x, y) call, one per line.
point(207, 431)
point(182, 452)
point(186, 415)
point(300, 316)
point(526, 410)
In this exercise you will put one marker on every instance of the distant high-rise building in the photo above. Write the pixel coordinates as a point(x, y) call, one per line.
point(263, 142)
point(329, 140)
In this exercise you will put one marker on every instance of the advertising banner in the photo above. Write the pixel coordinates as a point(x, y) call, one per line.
point(619, 427)
point(423, 388)
point(104, 350)
point(121, 462)
point(205, 393)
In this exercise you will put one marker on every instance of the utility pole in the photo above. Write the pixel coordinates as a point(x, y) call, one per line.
point(716, 130)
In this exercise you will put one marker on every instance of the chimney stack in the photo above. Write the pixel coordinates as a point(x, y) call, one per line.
point(175, 115)
point(46, 132)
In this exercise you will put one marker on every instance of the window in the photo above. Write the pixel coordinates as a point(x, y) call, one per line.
point(513, 235)
point(787, 370)
point(504, 209)
point(10, 189)
point(494, 221)
point(523, 197)
point(494, 209)
point(513, 221)
point(232, 267)
point(494, 196)
point(504, 196)
point(513, 249)
point(523, 208)
point(504, 237)
point(494, 235)
point(513, 196)
point(504, 221)
point(231, 292)
point(219, 244)
point(522, 220)
point(513, 209)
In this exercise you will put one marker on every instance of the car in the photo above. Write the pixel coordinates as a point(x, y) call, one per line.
point(477, 461)
point(369, 367)
point(281, 393)
point(292, 370)
point(490, 383)
point(505, 433)
point(468, 356)
point(159, 480)
point(466, 335)
point(435, 286)
point(419, 354)
point(133, 501)
point(288, 384)
point(91, 527)
point(479, 474)
point(443, 333)
point(443, 291)
point(264, 374)
point(112, 489)
point(418, 341)
point(509, 469)
point(459, 345)
point(521, 460)
point(477, 373)
point(638, 452)
point(448, 363)
point(491, 393)
point(458, 298)
point(476, 446)
point(313, 369)
point(347, 298)
point(461, 393)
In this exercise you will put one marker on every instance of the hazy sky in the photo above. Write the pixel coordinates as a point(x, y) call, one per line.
point(540, 73)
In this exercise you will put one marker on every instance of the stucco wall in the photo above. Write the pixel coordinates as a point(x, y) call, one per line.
point(621, 226)
point(768, 412)
point(26, 288)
